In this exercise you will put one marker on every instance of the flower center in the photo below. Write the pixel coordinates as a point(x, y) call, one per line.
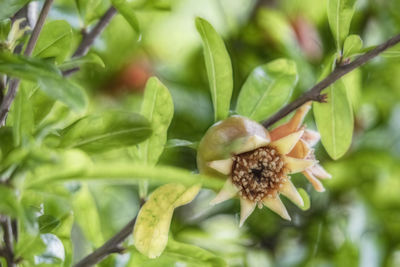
point(258, 173)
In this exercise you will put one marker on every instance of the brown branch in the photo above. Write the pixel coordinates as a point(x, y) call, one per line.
point(89, 38)
point(8, 250)
point(314, 94)
point(14, 84)
point(113, 245)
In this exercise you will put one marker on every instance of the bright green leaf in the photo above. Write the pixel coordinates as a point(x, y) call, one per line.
point(340, 13)
point(306, 198)
point(22, 115)
point(47, 223)
point(158, 108)
point(54, 41)
point(91, 10)
point(335, 120)
point(128, 13)
point(393, 52)
point(180, 143)
point(154, 218)
point(87, 216)
point(219, 68)
point(267, 89)
point(9, 7)
point(352, 45)
point(178, 253)
point(90, 58)
point(353, 83)
point(8, 201)
point(109, 130)
point(47, 76)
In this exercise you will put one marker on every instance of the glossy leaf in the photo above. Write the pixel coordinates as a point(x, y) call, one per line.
point(47, 76)
point(219, 68)
point(91, 58)
point(22, 115)
point(110, 130)
point(352, 45)
point(178, 253)
point(158, 108)
point(306, 199)
point(335, 120)
point(340, 13)
point(267, 89)
point(9, 7)
point(152, 225)
point(128, 13)
point(54, 41)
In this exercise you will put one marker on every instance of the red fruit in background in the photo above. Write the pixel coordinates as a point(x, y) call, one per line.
point(308, 38)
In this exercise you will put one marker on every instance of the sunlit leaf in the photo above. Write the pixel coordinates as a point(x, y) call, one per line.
point(306, 198)
point(340, 13)
point(267, 89)
point(109, 130)
point(219, 68)
point(154, 218)
point(9, 7)
point(335, 120)
point(90, 58)
point(22, 115)
point(128, 13)
point(158, 108)
point(54, 41)
point(352, 45)
point(8, 201)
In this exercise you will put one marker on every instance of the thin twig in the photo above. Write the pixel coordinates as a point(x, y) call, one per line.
point(14, 84)
point(113, 245)
point(89, 38)
point(314, 94)
point(8, 250)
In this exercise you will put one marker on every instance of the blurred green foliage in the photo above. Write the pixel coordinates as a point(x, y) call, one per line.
point(354, 223)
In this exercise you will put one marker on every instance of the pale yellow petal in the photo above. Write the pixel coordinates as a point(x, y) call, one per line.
point(246, 208)
point(286, 144)
point(251, 143)
point(318, 171)
point(228, 191)
point(297, 165)
point(311, 137)
point(275, 204)
point(318, 186)
point(223, 166)
point(290, 191)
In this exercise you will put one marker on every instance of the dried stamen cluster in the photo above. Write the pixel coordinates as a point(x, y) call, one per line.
point(258, 173)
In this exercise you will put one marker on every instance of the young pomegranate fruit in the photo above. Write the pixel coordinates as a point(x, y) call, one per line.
point(258, 163)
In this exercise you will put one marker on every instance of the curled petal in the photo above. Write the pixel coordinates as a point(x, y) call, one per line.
point(301, 150)
point(314, 181)
point(251, 143)
point(286, 144)
point(311, 137)
point(246, 208)
point(223, 166)
point(297, 165)
point(292, 125)
point(290, 191)
point(227, 192)
point(275, 204)
point(318, 171)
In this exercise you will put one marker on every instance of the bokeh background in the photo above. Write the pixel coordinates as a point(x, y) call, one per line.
point(356, 222)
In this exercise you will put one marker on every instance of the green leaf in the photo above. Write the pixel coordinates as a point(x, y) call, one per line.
point(352, 45)
point(22, 115)
point(90, 58)
point(9, 7)
point(54, 41)
point(47, 223)
point(91, 10)
point(158, 108)
point(178, 253)
point(353, 83)
point(171, 143)
point(306, 198)
point(393, 52)
point(340, 13)
point(154, 218)
point(47, 76)
point(267, 89)
point(219, 68)
point(81, 169)
point(9, 204)
point(128, 13)
point(110, 130)
point(335, 120)
point(87, 216)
